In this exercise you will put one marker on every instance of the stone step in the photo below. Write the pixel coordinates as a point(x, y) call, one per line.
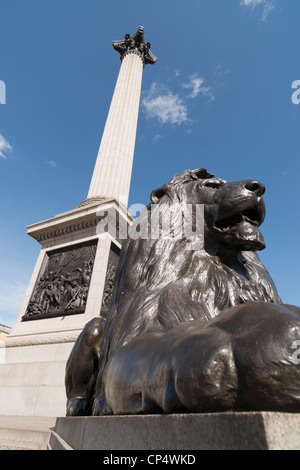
point(25, 432)
point(56, 442)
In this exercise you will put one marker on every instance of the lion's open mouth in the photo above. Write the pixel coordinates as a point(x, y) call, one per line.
point(252, 216)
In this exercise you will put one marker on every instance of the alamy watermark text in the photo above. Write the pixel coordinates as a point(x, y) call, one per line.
point(296, 94)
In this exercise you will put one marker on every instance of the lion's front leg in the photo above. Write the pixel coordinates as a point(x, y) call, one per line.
point(263, 338)
point(82, 368)
point(190, 368)
point(241, 360)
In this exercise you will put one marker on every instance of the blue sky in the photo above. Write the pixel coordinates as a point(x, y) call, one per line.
point(218, 97)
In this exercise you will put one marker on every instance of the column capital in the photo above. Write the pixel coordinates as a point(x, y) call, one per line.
point(136, 43)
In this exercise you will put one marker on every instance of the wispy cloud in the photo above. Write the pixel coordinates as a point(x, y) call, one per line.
point(159, 102)
point(220, 71)
point(267, 5)
point(173, 108)
point(52, 163)
point(4, 147)
point(195, 84)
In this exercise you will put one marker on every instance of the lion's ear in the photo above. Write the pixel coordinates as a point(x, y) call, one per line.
point(157, 194)
point(202, 174)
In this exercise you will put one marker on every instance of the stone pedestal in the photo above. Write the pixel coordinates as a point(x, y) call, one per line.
point(176, 432)
point(34, 354)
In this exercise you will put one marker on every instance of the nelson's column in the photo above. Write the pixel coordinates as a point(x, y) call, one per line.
point(73, 277)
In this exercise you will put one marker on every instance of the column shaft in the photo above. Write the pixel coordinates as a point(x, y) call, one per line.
point(112, 173)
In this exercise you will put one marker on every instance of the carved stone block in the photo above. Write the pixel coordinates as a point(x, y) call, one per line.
point(109, 280)
point(63, 282)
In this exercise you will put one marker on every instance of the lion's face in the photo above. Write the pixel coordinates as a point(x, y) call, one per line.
point(233, 210)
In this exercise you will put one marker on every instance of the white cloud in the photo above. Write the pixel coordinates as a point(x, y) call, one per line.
point(4, 147)
point(159, 102)
point(52, 163)
point(248, 3)
point(267, 5)
point(169, 108)
point(195, 84)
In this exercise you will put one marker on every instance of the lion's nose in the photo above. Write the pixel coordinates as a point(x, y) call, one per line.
point(256, 187)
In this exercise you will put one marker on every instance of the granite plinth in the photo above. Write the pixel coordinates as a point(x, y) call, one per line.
point(211, 431)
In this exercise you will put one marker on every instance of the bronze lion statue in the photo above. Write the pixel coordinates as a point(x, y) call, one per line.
point(191, 330)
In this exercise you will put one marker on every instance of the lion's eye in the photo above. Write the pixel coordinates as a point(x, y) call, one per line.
point(212, 184)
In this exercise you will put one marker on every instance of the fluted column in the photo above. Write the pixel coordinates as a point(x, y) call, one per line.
point(112, 172)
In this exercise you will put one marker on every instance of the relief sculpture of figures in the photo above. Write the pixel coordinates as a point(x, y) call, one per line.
point(108, 288)
point(191, 328)
point(63, 286)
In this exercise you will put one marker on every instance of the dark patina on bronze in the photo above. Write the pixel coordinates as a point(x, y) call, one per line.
point(191, 330)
